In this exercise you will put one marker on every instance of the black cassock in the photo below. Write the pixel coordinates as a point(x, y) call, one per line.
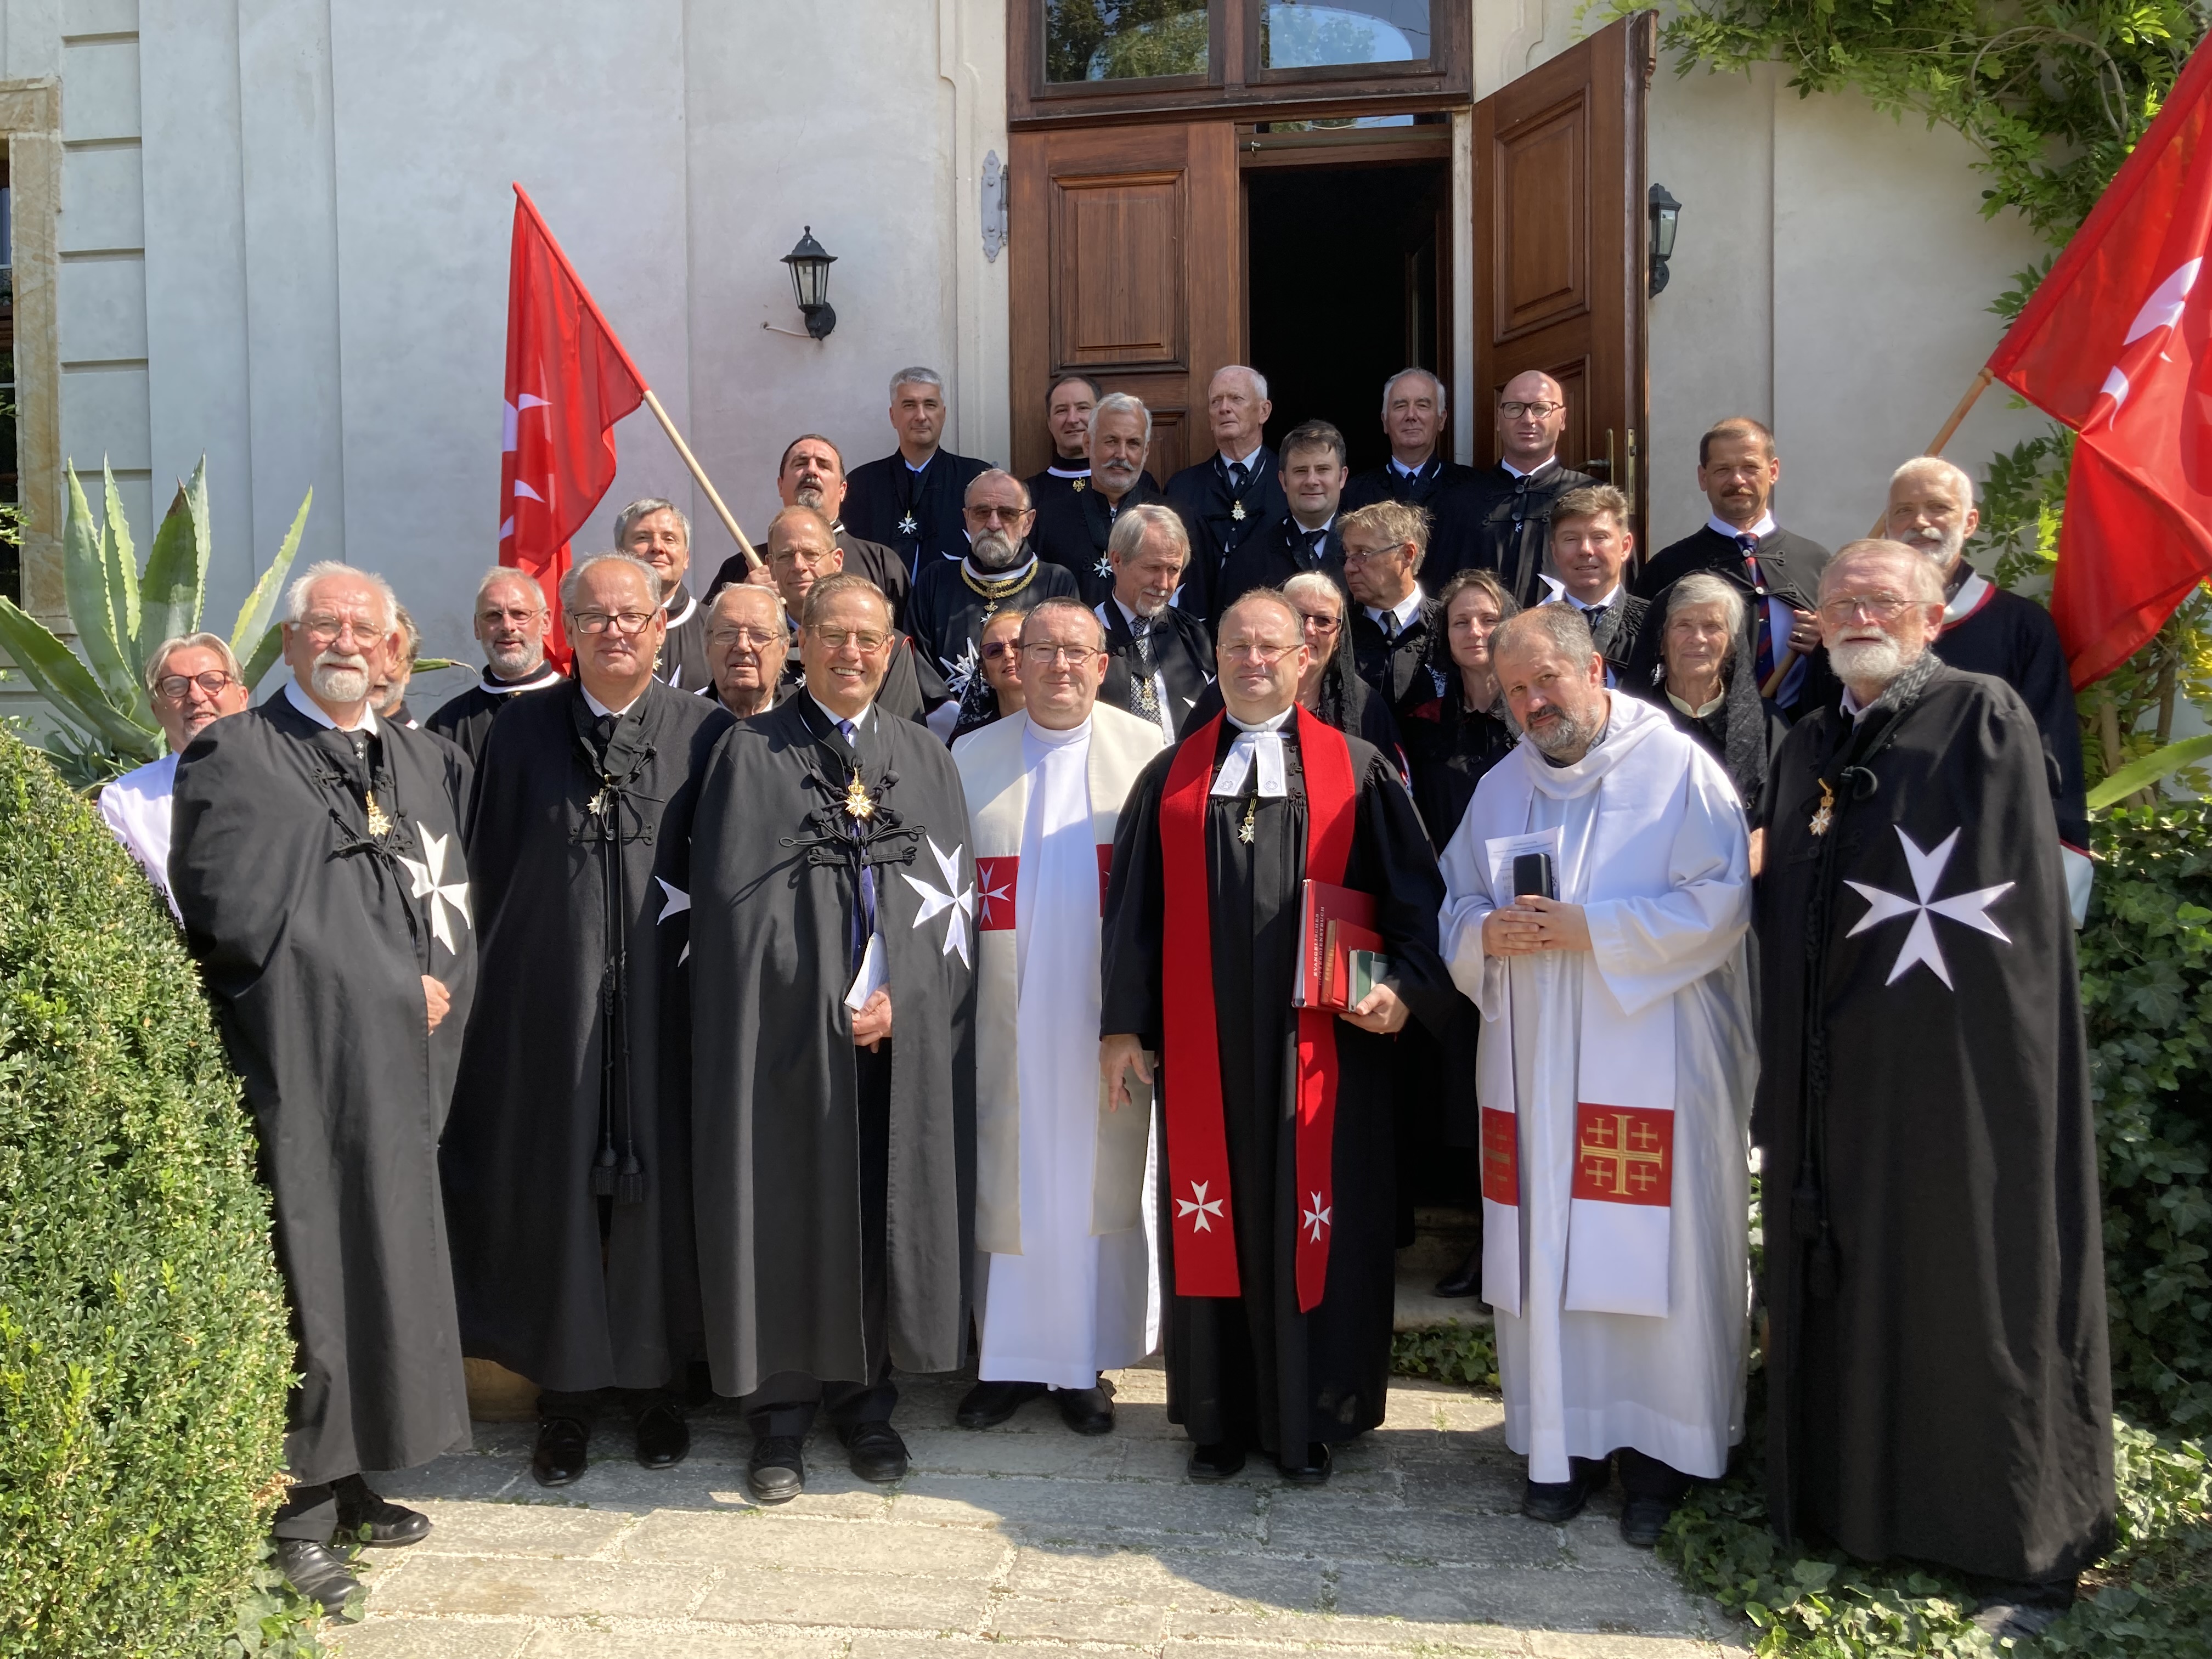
point(951, 603)
point(1221, 515)
point(1501, 522)
point(780, 1119)
point(1072, 529)
point(579, 1053)
point(918, 516)
point(313, 932)
point(1253, 1366)
point(467, 719)
point(1937, 1362)
point(683, 654)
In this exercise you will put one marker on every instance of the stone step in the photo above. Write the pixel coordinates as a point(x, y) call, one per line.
point(1442, 1238)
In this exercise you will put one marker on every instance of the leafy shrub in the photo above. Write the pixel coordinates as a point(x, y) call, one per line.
point(144, 1347)
point(1450, 1353)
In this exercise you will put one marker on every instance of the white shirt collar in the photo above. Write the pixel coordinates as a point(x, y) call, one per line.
point(1762, 530)
point(1612, 597)
point(1249, 463)
point(911, 467)
point(600, 708)
point(1273, 723)
point(1405, 471)
point(1404, 611)
point(315, 712)
point(1308, 530)
point(1548, 460)
point(1699, 714)
point(859, 720)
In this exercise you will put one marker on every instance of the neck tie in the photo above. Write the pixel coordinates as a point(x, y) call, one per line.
point(1763, 650)
point(1239, 476)
point(1313, 543)
point(864, 925)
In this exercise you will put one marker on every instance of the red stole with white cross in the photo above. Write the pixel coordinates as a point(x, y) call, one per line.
point(1203, 1214)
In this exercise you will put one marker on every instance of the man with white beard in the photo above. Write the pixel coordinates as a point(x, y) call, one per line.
point(1615, 1078)
point(1987, 630)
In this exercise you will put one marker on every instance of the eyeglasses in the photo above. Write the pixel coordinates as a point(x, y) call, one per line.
point(997, 514)
point(177, 687)
point(1321, 625)
point(1267, 655)
point(744, 636)
point(1518, 411)
point(1355, 553)
point(624, 622)
point(998, 649)
point(837, 639)
point(1045, 656)
point(324, 626)
point(1879, 607)
point(806, 556)
point(489, 615)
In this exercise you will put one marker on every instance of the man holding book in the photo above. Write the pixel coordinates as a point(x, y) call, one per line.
point(1276, 1177)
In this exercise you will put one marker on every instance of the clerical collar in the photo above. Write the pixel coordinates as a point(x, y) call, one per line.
point(1410, 473)
point(1548, 461)
point(321, 716)
point(1402, 613)
point(690, 604)
point(837, 720)
point(544, 675)
point(992, 583)
point(1052, 739)
point(1699, 714)
point(1249, 463)
point(600, 708)
point(1759, 531)
point(1083, 472)
point(1273, 723)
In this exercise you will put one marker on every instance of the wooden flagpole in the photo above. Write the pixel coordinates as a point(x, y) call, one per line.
point(699, 476)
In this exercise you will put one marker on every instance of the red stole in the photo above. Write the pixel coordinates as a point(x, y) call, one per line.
point(1202, 1213)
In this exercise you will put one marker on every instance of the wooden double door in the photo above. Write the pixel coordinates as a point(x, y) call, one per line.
point(1127, 260)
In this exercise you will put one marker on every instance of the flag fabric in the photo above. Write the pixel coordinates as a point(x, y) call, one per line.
point(569, 380)
point(2116, 343)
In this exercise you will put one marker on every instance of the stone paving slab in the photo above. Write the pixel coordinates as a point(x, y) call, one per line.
point(1024, 1541)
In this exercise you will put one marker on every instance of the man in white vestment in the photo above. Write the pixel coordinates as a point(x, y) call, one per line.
point(1615, 1079)
point(192, 682)
point(1067, 1282)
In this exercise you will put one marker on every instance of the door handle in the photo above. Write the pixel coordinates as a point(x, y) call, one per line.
point(1629, 490)
point(1604, 464)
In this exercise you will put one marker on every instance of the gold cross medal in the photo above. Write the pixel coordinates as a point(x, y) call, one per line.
point(378, 825)
point(1237, 511)
point(1251, 812)
point(858, 804)
point(990, 609)
point(1078, 483)
point(1826, 815)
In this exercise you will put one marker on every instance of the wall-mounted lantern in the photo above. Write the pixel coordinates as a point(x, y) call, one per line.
point(810, 264)
point(1665, 212)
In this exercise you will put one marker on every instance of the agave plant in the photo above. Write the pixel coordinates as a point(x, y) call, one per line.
point(122, 616)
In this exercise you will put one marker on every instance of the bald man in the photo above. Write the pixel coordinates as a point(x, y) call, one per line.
point(1501, 519)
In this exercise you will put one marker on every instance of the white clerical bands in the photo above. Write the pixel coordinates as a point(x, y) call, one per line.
point(1267, 747)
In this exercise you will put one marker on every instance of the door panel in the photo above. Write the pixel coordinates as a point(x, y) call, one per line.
point(1560, 276)
point(1126, 263)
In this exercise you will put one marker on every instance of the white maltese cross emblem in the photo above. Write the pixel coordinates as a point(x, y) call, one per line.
point(1319, 1216)
point(1920, 943)
point(428, 875)
point(676, 902)
point(957, 903)
point(1198, 1206)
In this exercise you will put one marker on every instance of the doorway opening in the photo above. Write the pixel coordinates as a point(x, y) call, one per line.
point(1347, 274)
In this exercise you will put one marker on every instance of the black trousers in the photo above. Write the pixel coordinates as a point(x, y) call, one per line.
point(590, 1406)
point(309, 1512)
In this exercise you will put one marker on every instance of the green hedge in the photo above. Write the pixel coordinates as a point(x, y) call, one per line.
point(144, 1347)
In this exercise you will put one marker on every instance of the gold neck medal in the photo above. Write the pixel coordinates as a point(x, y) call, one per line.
point(1826, 815)
point(858, 803)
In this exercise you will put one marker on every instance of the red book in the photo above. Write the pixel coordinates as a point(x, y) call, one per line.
point(1324, 904)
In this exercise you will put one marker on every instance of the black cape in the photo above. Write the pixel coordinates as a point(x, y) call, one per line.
point(1939, 1384)
point(775, 902)
point(879, 563)
point(882, 496)
point(312, 935)
point(1403, 669)
point(2013, 640)
point(1282, 550)
point(1182, 654)
point(683, 654)
point(1502, 523)
point(1436, 480)
point(1072, 528)
point(1220, 520)
point(1449, 747)
point(467, 719)
point(1049, 485)
point(1254, 1364)
point(951, 605)
point(581, 1040)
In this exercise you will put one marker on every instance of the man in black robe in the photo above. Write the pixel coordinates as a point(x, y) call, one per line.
point(1160, 657)
point(813, 474)
point(1417, 472)
point(998, 571)
point(1500, 521)
point(1279, 1279)
point(1068, 409)
point(1234, 492)
point(1306, 536)
point(910, 500)
point(1778, 572)
point(316, 862)
point(1074, 526)
point(1393, 623)
point(567, 1159)
point(510, 620)
point(1938, 1378)
point(1987, 630)
point(658, 533)
point(834, 1075)
point(802, 549)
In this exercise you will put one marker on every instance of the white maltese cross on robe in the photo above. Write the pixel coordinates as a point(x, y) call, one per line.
point(675, 904)
point(1198, 1206)
point(1920, 942)
point(1320, 1216)
point(957, 902)
point(428, 875)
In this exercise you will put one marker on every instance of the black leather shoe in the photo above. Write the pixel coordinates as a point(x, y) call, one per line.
point(317, 1572)
point(1087, 1411)
point(559, 1459)
point(663, 1436)
point(1560, 1501)
point(878, 1452)
point(1315, 1469)
point(1466, 1280)
point(1219, 1462)
point(1642, 1519)
point(366, 1518)
point(776, 1473)
point(989, 1404)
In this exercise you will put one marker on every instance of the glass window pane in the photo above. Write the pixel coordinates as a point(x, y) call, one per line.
point(1302, 34)
point(1123, 40)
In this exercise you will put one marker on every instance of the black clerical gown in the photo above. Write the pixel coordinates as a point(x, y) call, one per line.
point(1254, 1367)
point(313, 932)
point(1449, 747)
point(1937, 1362)
point(1501, 522)
point(683, 654)
point(879, 563)
point(918, 516)
point(2013, 640)
point(467, 719)
point(1070, 530)
point(1180, 653)
point(1221, 515)
point(777, 1114)
point(1789, 568)
point(953, 600)
point(1063, 477)
point(1283, 549)
point(1401, 664)
point(580, 1051)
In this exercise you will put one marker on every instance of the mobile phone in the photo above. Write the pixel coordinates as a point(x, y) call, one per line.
point(1532, 875)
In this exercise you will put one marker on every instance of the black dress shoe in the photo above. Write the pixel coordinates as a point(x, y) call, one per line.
point(1642, 1519)
point(776, 1473)
point(663, 1436)
point(317, 1572)
point(989, 1404)
point(878, 1452)
point(1466, 1280)
point(559, 1459)
point(1313, 1470)
point(366, 1518)
point(1561, 1501)
point(1219, 1462)
point(1087, 1411)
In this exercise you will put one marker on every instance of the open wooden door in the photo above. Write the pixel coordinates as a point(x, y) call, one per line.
point(1559, 245)
point(1126, 254)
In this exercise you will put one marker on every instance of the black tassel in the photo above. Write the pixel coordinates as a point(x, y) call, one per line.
point(631, 1188)
point(603, 1173)
point(1822, 1269)
point(1805, 1211)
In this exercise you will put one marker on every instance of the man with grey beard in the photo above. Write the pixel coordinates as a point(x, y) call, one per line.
point(1073, 526)
point(317, 865)
point(1939, 1384)
point(954, 598)
point(1987, 630)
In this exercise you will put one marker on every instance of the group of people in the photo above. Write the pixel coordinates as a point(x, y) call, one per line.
point(700, 1018)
